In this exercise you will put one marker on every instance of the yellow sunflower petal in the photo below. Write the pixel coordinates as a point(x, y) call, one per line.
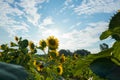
point(31, 45)
point(52, 42)
point(60, 69)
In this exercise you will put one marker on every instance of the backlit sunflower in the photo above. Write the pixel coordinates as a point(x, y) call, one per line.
point(0, 47)
point(62, 59)
point(11, 44)
point(16, 38)
point(75, 56)
point(50, 58)
point(60, 69)
point(34, 62)
point(40, 67)
point(53, 53)
point(43, 44)
point(52, 42)
point(31, 46)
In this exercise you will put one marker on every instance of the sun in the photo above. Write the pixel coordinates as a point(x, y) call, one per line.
point(54, 32)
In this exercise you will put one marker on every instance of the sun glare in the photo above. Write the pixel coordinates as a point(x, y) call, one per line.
point(54, 32)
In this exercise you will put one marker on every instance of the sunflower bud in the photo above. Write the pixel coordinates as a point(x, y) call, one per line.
point(31, 46)
point(16, 38)
point(42, 44)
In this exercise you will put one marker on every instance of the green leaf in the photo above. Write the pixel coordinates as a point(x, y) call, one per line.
point(116, 30)
point(105, 34)
point(12, 44)
point(23, 44)
point(116, 51)
point(48, 78)
point(4, 46)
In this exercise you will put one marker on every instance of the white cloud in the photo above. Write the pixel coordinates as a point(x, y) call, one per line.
point(13, 30)
point(9, 14)
point(80, 39)
point(72, 6)
point(44, 29)
point(74, 26)
point(67, 2)
point(47, 21)
point(9, 1)
point(97, 6)
point(31, 10)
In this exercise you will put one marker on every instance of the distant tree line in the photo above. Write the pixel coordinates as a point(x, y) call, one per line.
point(81, 52)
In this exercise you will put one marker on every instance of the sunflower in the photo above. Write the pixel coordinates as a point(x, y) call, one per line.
point(52, 42)
point(60, 69)
point(53, 53)
point(31, 46)
point(0, 47)
point(43, 44)
point(34, 62)
point(62, 59)
point(75, 56)
point(50, 58)
point(16, 38)
point(40, 67)
point(12, 44)
point(0, 54)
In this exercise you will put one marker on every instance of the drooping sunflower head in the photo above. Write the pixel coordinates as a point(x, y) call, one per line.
point(0, 54)
point(50, 57)
point(62, 59)
point(31, 45)
point(16, 38)
point(52, 42)
point(34, 62)
point(53, 53)
point(43, 44)
point(40, 67)
point(11, 44)
point(60, 69)
point(75, 56)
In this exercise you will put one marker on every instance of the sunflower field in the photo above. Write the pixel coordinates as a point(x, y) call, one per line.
point(52, 65)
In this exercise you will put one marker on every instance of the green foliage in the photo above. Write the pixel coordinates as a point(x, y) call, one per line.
point(54, 65)
point(110, 68)
point(114, 26)
point(105, 34)
point(116, 51)
point(23, 44)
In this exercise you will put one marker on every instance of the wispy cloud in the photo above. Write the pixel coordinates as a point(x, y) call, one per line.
point(74, 26)
point(78, 39)
point(44, 29)
point(14, 18)
point(30, 10)
point(47, 21)
point(97, 6)
point(67, 2)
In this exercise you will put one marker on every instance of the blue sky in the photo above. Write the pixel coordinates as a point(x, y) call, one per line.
point(76, 23)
